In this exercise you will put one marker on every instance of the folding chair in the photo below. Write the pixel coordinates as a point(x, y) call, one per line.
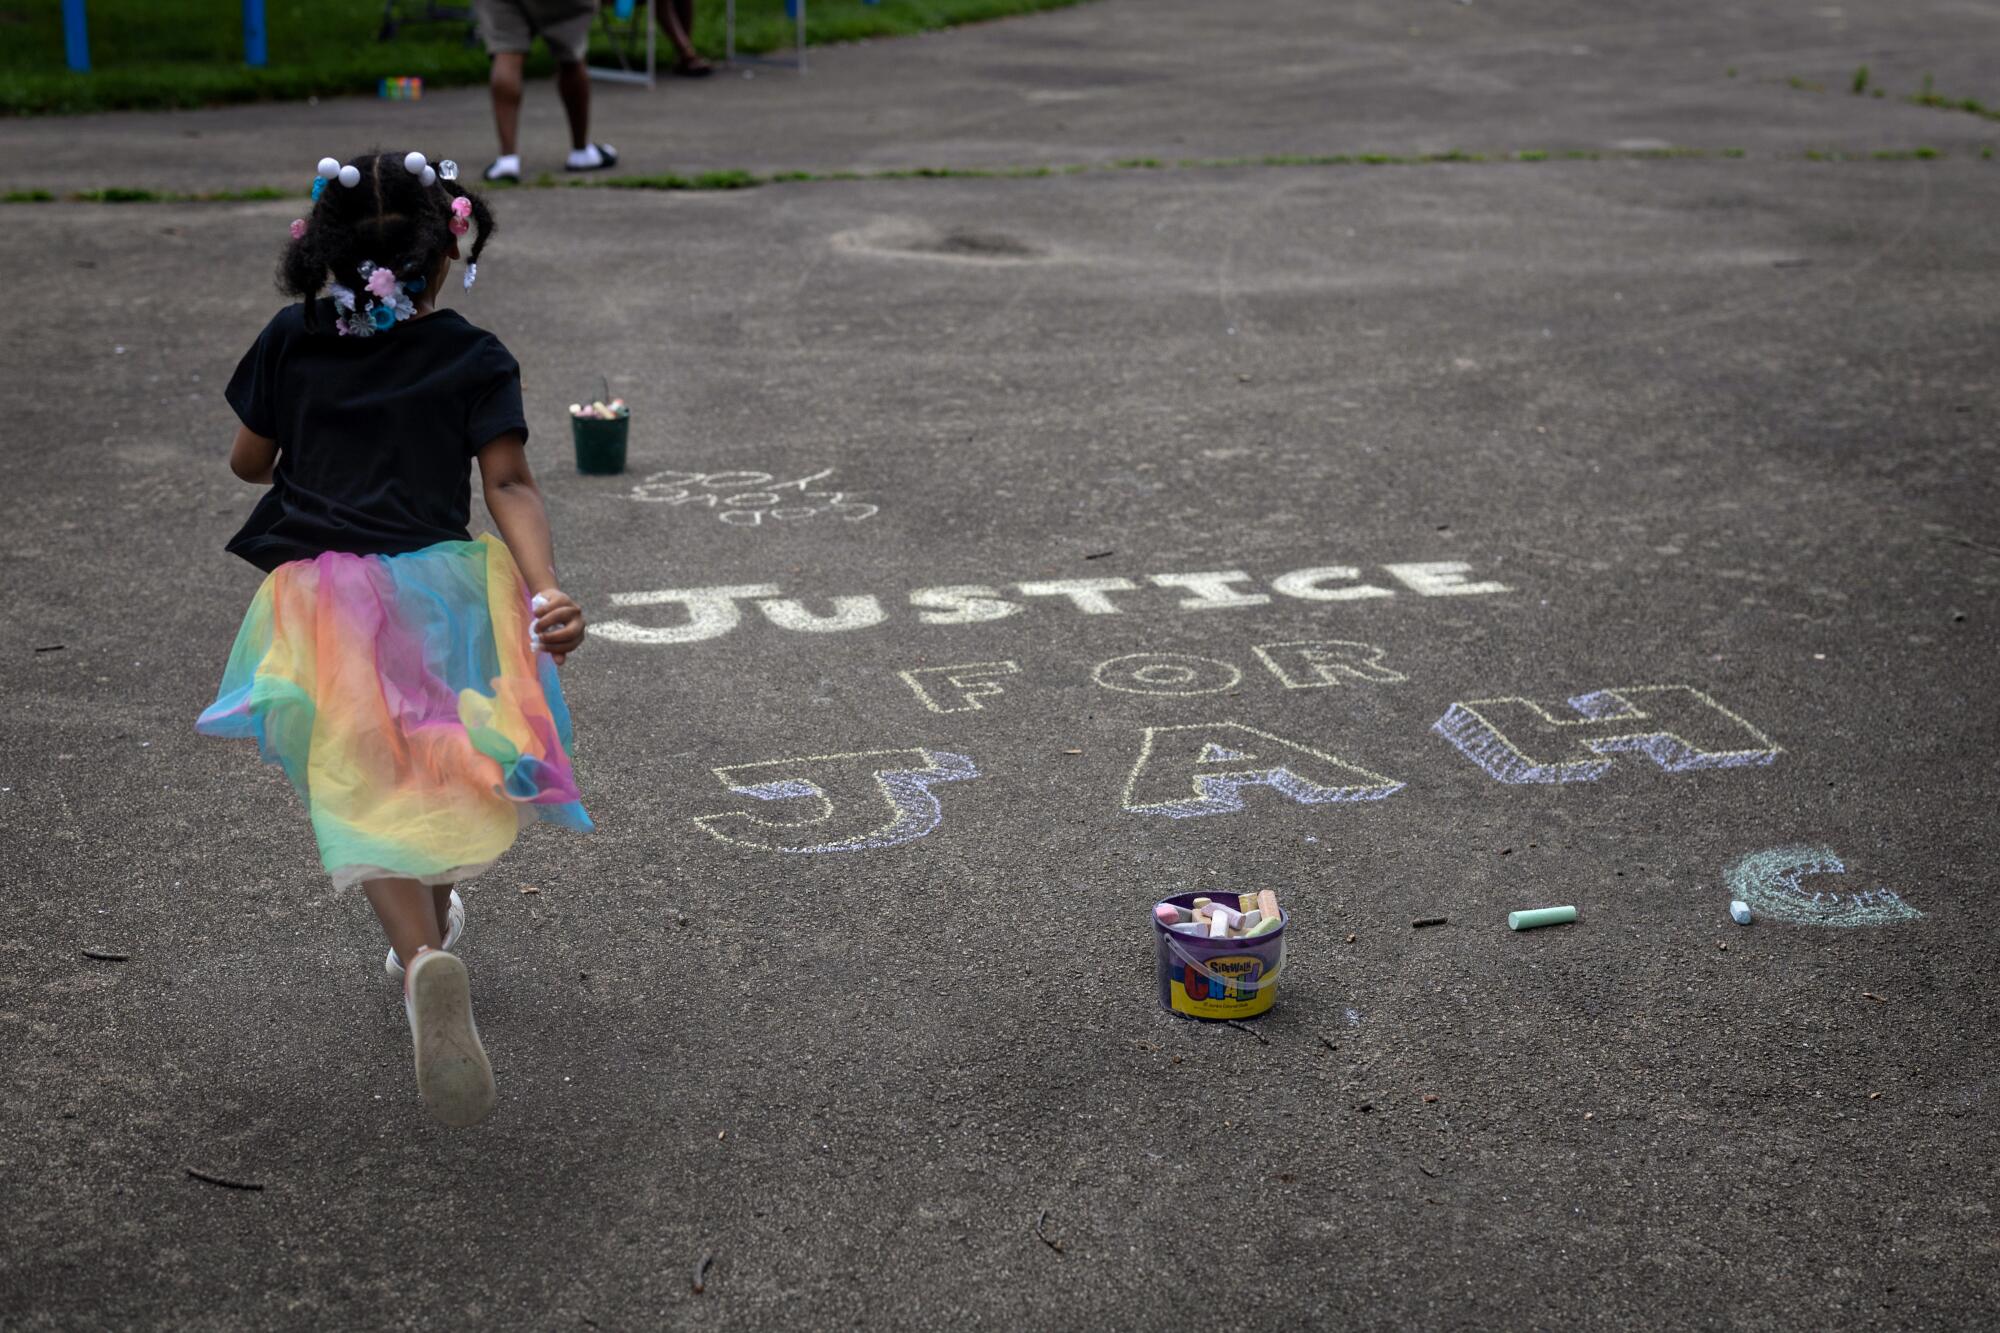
point(796, 11)
point(624, 36)
point(396, 15)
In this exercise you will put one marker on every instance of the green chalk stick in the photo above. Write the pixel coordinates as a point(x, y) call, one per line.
point(1265, 927)
point(1540, 916)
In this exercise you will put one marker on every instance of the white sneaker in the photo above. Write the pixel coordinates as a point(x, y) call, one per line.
point(454, 932)
point(453, 1075)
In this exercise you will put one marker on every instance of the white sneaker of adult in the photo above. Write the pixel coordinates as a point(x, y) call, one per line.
point(506, 167)
point(455, 931)
point(454, 1077)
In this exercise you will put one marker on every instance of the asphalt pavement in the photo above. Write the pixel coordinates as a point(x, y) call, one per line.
point(1609, 526)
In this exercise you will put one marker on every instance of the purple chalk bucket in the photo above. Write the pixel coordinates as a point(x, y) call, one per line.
point(1217, 979)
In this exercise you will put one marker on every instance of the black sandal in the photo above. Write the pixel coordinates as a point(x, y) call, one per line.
point(607, 157)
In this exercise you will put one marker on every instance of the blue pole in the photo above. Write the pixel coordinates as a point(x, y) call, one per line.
point(76, 36)
point(253, 33)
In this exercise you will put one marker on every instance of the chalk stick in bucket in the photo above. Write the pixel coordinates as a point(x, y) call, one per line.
point(1540, 916)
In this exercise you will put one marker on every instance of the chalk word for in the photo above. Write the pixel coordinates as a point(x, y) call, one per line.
point(1773, 884)
point(884, 798)
point(1678, 728)
point(865, 801)
point(1298, 664)
point(711, 613)
point(746, 499)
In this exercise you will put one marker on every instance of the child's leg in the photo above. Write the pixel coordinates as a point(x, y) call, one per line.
point(441, 901)
point(408, 913)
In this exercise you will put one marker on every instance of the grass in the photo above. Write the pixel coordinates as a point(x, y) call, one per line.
point(746, 180)
point(149, 54)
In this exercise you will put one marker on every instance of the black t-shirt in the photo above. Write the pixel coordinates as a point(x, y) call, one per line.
point(375, 435)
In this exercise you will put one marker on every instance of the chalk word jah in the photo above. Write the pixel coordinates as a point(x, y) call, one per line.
point(746, 499)
point(714, 612)
point(1773, 883)
point(884, 798)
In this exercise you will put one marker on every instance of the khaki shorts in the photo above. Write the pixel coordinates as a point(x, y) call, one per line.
point(511, 26)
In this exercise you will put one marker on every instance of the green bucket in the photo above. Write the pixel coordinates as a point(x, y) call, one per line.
point(600, 444)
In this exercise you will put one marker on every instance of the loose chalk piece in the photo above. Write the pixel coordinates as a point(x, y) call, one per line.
point(1739, 912)
point(415, 164)
point(329, 167)
point(1540, 916)
point(350, 175)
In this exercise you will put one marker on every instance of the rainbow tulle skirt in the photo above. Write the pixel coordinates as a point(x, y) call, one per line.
point(403, 699)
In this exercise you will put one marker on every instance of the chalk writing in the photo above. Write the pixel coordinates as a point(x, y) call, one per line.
point(1301, 664)
point(1166, 673)
point(1312, 664)
point(746, 499)
point(712, 612)
point(970, 682)
point(848, 613)
point(866, 801)
point(1189, 771)
point(1516, 740)
point(1773, 884)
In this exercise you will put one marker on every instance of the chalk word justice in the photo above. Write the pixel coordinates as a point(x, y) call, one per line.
point(710, 613)
point(876, 799)
point(746, 499)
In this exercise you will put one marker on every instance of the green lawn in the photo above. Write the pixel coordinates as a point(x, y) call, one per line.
point(181, 53)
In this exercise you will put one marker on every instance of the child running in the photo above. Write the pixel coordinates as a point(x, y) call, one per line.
point(401, 673)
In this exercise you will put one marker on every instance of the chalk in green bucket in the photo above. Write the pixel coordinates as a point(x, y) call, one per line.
point(599, 430)
point(1540, 916)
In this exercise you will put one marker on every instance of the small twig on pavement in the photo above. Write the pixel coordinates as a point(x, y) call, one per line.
point(1039, 1223)
point(226, 1184)
point(1262, 1040)
point(701, 1266)
point(106, 956)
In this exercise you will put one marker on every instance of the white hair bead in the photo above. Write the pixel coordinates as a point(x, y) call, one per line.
point(350, 175)
point(430, 176)
point(414, 164)
point(328, 168)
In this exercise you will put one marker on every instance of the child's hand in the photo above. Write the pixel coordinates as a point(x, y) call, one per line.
point(558, 627)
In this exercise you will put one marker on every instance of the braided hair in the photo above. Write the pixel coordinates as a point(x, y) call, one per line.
point(389, 217)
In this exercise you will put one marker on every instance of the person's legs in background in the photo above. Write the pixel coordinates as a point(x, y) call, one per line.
point(677, 17)
point(505, 28)
point(573, 83)
point(568, 37)
point(505, 80)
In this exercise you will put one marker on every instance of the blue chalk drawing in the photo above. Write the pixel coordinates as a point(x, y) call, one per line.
point(1677, 727)
point(867, 801)
point(1773, 883)
point(1168, 783)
